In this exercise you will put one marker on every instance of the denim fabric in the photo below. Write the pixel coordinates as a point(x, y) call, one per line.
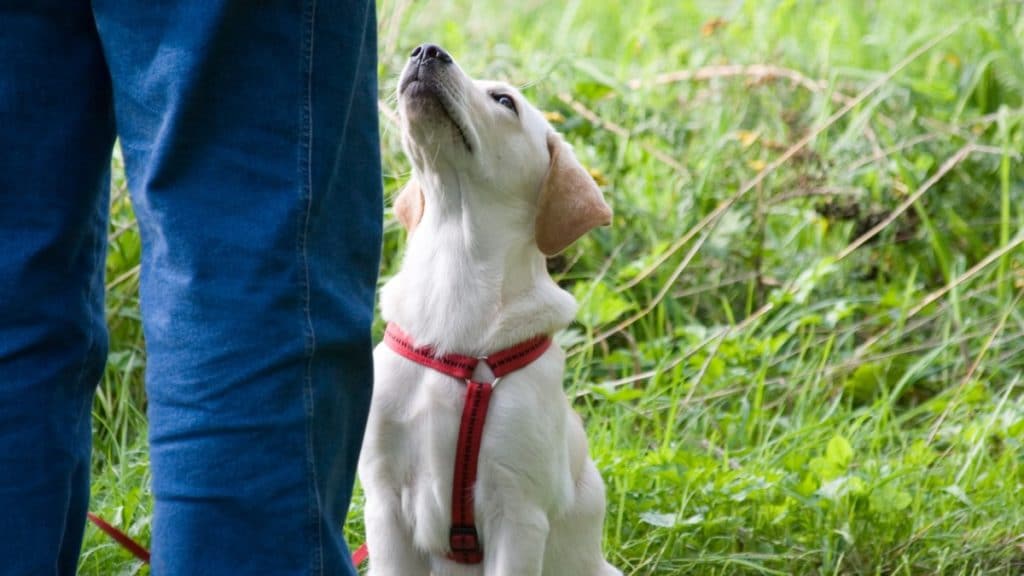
point(249, 131)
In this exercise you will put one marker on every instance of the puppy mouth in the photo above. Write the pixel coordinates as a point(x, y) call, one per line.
point(422, 88)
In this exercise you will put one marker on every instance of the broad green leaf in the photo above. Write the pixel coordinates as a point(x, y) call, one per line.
point(839, 451)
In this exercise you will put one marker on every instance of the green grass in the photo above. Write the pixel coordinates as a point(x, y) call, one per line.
point(799, 349)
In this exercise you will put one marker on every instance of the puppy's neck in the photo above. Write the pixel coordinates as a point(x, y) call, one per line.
point(472, 279)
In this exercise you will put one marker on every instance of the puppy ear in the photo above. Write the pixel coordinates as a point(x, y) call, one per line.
point(409, 205)
point(570, 202)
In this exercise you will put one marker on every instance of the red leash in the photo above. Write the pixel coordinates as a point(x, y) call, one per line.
point(121, 538)
point(463, 537)
point(137, 550)
point(360, 555)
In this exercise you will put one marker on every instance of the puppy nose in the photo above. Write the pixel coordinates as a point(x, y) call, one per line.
point(425, 52)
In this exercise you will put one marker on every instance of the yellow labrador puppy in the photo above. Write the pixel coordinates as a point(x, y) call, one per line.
point(494, 191)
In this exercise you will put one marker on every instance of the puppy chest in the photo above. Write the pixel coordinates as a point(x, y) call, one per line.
point(523, 456)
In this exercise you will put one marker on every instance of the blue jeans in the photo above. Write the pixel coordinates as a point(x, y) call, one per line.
point(249, 132)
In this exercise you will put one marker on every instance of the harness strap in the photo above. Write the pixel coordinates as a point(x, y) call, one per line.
point(454, 365)
point(463, 538)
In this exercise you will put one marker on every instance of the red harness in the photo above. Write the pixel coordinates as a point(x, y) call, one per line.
point(462, 537)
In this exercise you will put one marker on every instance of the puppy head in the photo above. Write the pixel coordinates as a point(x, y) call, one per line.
point(484, 137)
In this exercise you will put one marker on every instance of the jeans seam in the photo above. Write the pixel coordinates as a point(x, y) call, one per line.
point(90, 298)
point(359, 64)
point(306, 193)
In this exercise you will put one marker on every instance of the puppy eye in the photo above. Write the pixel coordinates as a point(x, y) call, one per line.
point(506, 101)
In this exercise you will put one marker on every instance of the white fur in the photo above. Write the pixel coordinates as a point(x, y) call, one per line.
point(473, 281)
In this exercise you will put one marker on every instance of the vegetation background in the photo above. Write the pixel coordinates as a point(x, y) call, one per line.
point(799, 347)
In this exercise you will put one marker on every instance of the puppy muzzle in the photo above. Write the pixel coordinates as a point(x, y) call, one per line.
point(426, 63)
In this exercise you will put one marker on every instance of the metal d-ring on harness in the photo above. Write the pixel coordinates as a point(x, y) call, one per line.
point(463, 537)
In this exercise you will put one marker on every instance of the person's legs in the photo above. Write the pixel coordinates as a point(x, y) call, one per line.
point(250, 139)
point(55, 142)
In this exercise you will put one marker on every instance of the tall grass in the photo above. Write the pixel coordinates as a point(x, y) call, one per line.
point(799, 348)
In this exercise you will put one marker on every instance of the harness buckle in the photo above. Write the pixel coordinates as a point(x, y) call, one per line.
point(463, 539)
